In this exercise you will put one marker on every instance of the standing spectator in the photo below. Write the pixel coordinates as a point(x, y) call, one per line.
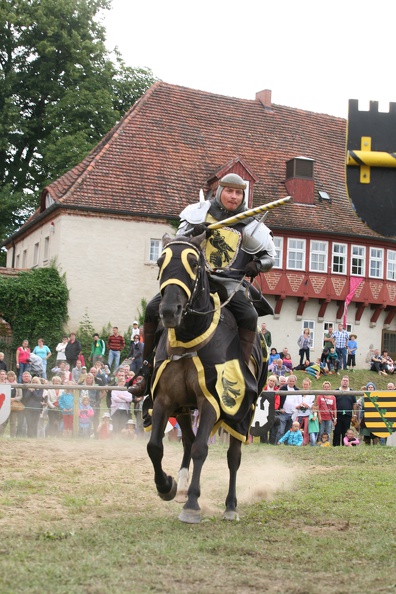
point(98, 349)
point(53, 407)
point(287, 406)
point(341, 338)
point(16, 396)
point(85, 413)
point(105, 427)
point(21, 420)
point(378, 363)
point(22, 357)
point(352, 346)
point(72, 350)
point(3, 365)
point(36, 365)
point(60, 350)
point(135, 331)
point(313, 424)
point(120, 404)
point(267, 334)
point(42, 351)
point(327, 406)
point(328, 342)
point(390, 386)
point(303, 409)
point(32, 398)
point(94, 396)
point(136, 354)
point(66, 407)
point(115, 344)
point(305, 343)
point(368, 437)
point(346, 410)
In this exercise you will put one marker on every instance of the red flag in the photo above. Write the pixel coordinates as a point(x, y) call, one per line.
point(354, 283)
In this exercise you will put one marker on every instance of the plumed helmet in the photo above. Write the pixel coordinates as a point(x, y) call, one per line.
point(231, 180)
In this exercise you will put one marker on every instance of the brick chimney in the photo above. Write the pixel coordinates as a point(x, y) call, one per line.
point(265, 99)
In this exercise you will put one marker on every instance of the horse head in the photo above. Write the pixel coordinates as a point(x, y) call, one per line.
point(181, 271)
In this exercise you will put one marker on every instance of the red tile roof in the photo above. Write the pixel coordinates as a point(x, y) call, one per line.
point(155, 160)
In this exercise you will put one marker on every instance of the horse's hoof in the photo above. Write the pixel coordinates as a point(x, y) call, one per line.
point(171, 493)
point(190, 516)
point(231, 515)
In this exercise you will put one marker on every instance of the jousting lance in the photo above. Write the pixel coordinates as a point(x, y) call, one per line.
point(249, 213)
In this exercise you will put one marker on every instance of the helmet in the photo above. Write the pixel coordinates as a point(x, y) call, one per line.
point(231, 180)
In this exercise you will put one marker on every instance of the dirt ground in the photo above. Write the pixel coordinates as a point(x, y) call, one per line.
point(45, 480)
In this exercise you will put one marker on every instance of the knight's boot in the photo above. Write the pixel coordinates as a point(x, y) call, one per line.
point(141, 387)
point(247, 338)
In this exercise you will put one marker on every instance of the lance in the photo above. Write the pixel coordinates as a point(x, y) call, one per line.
point(249, 213)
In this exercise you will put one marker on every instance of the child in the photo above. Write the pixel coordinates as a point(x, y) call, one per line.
point(332, 361)
point(324, 440)
point(350, 439)
point(105, 427)
point(293, 436)
point(287, 362)
point(129, 431)
point(352, 348)
point(85, 413)
point(66, 407)
point(313, 424)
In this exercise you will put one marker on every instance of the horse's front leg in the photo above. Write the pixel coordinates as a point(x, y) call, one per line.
point(188, 437)
point(191, 512)
point(234, 461)
point(166, 485)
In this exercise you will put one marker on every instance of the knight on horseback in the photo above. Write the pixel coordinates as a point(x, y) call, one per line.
point(245, 248)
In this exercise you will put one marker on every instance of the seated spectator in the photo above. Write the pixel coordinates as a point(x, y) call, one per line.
point(287, 362)
point(76, 371)
point(274, 356)
point(292, 437)
point(333, 362)
point(390, 366)
point(302, 366)
point(350, 439)
point(284, 352)
point(378, 363)
point(279, 369)
point(129, 431)
point(324, 440)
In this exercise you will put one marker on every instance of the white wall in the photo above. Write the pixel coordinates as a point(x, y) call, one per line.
point(286, 330)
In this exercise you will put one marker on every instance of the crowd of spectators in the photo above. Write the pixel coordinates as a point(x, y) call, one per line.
point(41, 411)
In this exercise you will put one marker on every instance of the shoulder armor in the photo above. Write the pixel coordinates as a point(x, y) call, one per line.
point(256, 238)
point(195, 213)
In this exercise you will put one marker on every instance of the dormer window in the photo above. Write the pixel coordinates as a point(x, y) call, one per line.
point(300, 167)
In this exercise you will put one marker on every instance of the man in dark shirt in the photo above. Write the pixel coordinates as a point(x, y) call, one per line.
point(346, 409)
point(115, 344)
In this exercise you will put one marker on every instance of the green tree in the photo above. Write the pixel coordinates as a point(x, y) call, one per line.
point(34, 303)
point(61, 91)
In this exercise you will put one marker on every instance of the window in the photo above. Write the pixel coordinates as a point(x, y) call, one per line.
point(278, 241)
point(24, 258)
point(17, 261)
point(36, 254)
point(318, 256)
point(311, 325)
point(155, 249)
point(358, 257)
point(391, 265)
point(46, 249)
point(376, 263)
point(339, 258)
point(296, 254)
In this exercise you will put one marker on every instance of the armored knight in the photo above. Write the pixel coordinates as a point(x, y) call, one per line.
point(232, 252)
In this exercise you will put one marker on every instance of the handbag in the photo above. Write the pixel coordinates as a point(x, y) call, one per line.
point(17, 406)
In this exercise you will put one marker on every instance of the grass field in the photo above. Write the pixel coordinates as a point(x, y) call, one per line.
point(82, 516)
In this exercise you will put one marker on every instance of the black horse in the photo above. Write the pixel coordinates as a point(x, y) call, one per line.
point(198, 365)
